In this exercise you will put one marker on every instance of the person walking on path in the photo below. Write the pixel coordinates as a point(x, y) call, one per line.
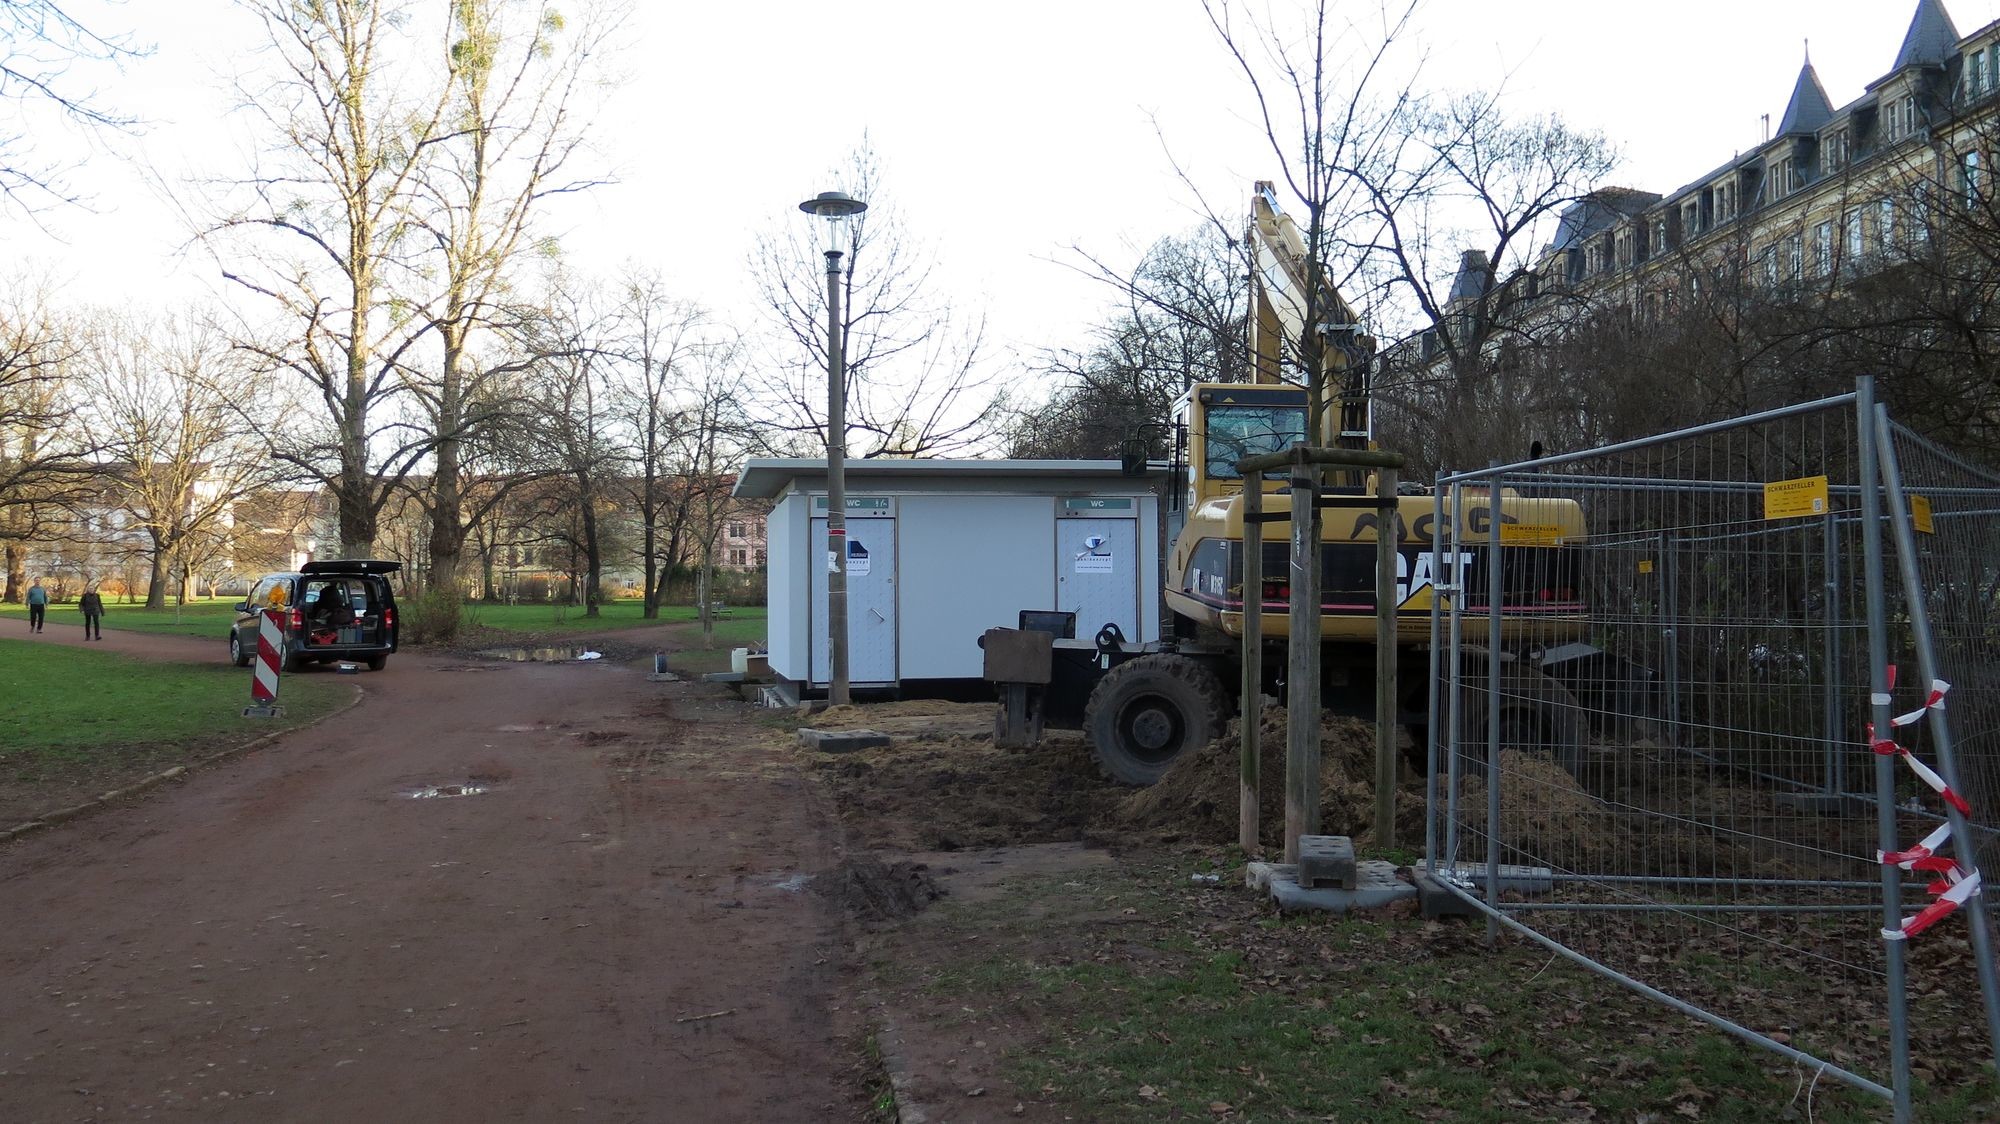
point(93, 613)
point(38, 605)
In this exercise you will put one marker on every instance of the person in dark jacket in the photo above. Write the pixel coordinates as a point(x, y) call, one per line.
point(93, 613)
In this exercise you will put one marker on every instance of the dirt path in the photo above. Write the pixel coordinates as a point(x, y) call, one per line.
point(601, 921)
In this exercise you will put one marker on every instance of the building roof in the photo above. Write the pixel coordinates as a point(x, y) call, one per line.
point(767, 477)
point(1808, 111)
point(1931, 40)
point(1473, 276)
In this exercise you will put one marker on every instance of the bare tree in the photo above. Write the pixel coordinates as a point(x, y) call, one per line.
point(516, 70)
point(669, 364)
point(166, 398)
point(45, 457)
point(1316, 84)
point(575, 435)
point(1183, 322)
point(325, 232)
point(41, 45)
point(918, 378)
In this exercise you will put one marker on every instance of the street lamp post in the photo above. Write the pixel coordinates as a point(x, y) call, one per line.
point(835, 207)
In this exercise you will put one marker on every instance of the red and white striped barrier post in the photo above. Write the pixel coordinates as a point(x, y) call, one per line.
point(264, 670)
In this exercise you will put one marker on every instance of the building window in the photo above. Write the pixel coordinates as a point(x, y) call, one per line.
point(1795, 253)
point(762, 560)
point(1857, 246)
point(1969, 177)
point(1836, 151)
point(1974, 66)
point(1784, 177)
point(1823, 247)
point(736, 530)
point(1660, 236)
point(1770, 257)
point(739, 557)
point(1885, 224)
point(1691, 219)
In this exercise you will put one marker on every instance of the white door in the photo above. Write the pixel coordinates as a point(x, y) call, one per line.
point(1097, 573)
point(871, 601)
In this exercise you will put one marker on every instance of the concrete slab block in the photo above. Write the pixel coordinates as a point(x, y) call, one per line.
point(842, 741)
point(1326, 862)
point(1376, 886)
point(1435, 901)
point(723, 677)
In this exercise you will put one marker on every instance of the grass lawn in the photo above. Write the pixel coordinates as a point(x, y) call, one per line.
point(196, 618)
point(89, 710)
point(1122, 994)
point(743, 626)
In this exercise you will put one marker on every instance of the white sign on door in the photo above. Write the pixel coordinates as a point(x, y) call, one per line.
point(857, 559)
point(1095, 557)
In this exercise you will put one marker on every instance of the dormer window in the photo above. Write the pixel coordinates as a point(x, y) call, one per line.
point(1836, 151)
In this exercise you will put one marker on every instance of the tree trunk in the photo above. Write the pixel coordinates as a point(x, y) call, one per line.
point(650, 607)
point(593, 560)
point(17, 573)
point(708, 599)
point(156, 586)
point(447, 497)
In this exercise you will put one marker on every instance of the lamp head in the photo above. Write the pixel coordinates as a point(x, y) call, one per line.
point(833, 206)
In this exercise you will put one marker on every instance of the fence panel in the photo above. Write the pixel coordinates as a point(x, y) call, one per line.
point(1665, 773)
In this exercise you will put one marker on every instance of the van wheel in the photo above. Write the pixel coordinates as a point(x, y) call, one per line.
point(237, 655)
point(377, 663)
point(1147, 712)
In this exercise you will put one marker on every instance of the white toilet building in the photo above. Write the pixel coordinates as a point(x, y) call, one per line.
point(939, 551)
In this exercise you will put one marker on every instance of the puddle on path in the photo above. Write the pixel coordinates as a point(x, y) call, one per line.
point(793, 884)
point(520, 728)
point(443, 791)
point(540, 655)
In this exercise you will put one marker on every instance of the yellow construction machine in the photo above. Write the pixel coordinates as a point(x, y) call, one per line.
point(1143, 705)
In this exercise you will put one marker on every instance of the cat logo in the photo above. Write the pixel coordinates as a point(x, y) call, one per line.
point(1414, 589)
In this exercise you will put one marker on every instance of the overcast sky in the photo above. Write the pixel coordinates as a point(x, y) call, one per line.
point(1008, 132)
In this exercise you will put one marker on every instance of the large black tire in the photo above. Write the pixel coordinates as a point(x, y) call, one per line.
point(237, 655)
point(1147, 712)
point(1537, 715)
point(377, 663)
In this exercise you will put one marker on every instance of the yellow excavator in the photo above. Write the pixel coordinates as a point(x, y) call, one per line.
point(1144, 705)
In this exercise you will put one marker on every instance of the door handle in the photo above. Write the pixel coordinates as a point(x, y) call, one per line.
point(878, 616)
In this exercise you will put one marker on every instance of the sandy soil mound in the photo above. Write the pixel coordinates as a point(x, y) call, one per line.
point(1198, 795)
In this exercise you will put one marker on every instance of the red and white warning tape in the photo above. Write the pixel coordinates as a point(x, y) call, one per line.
point(1955, 884)
point(1887, 747)
point(1952, 890)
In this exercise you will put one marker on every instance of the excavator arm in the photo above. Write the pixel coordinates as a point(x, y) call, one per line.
point(1281, 316)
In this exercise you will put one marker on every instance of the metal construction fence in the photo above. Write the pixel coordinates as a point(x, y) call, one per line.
point(1742, 668)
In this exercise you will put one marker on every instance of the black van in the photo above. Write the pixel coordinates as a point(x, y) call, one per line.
point(340, 609)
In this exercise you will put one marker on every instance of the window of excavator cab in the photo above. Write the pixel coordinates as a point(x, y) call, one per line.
point(1235, 432)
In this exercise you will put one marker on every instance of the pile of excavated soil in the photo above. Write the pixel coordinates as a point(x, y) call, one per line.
point(1545, 815)
point(1198, 797)
point(877, 891)
point(944, 790)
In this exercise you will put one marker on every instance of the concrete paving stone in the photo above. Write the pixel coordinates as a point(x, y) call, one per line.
point(842, 741)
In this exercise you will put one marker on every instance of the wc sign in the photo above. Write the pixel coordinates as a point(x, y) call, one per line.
point(1416, 574)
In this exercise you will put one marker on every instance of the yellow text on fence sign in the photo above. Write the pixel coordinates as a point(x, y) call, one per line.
point(1789, 499)
point(1531, 534)
point(1920, 515)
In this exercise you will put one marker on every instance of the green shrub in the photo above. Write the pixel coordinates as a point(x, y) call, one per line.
point(432, 617)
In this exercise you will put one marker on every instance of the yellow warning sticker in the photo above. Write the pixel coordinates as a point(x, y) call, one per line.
point(1531, 534)
point(1789, 499)
point(1645, 565)
point(1920, 515)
